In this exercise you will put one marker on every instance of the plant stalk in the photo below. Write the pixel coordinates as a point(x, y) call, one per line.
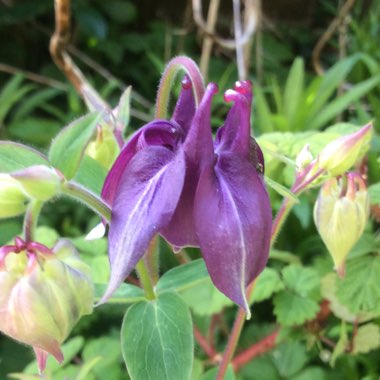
point(145, 280)
point(80, 193)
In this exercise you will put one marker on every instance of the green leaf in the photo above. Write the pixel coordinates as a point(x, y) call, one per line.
point(157, 339)
point(303, 281)
point(366, 339)
point(183, 277)
point(204, 298)
point(292, 309)
point(91, 174)
point(67, 149)
point(268, 283)
point(374, 194)
point(282, 190)
point(211, 374)
point(298, 303)
point(359, 290)
point(126, 293)
point(33, 130)
point(289, 358)
point(11, 93)
point(294, 89)
point(342, 102)
point(14, 156)
point(108, 348)
point(341, 346)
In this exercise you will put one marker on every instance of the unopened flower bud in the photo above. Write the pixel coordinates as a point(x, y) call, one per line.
point(13, 198)
point(304, 158)
point(341, 154)
point(43, 294)
point(40, 182)
point(105, 148)
point(340, 214)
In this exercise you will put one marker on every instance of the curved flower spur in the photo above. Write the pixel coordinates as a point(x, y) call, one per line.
point(171, 178)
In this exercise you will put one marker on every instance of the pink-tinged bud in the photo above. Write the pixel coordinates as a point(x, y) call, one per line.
point(341, 154)
point(39, 182)
point(304, 158)
point(13, 199)
point(105, 148)
point(340, 214)
point(43, 295)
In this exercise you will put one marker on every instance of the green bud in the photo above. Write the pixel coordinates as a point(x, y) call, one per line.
point(105, 148)
point(341, 154)
point(39, 182)
point(340, 214)
point(13, 199)
point(44, 294)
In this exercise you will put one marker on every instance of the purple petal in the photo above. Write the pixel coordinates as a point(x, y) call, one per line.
point(198, 146)
point(185, 107)
point(159, 132)
point(199, 150)
point(233, 222)
point(180, 232)
point(144, 203)
point(234, 136)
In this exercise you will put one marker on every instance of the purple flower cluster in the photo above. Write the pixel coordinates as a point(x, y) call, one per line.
point(172, 178)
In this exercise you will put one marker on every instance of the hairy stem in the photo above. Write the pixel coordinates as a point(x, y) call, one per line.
point(145, 280)
point(80, 193)
point(262, 346)
point(31, 218)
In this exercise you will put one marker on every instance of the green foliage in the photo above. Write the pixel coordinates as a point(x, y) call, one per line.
point(297, 108)
point(14, 157)
point(67, 149)
point(157, 339)
point(298, 302)
point(359, 290)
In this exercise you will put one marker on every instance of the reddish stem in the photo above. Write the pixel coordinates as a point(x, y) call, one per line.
point(261, 347)
point(206, 346)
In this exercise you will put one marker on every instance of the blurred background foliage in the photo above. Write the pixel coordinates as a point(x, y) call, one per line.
point(118, 43)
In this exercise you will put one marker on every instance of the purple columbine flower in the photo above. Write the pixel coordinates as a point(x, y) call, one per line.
point(171, 178)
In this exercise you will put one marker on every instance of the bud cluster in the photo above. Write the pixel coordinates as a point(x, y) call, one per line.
point(43, 294)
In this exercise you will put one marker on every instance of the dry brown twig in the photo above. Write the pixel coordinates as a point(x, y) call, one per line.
point(335, 23)
point(58, 46)
point(243, 35)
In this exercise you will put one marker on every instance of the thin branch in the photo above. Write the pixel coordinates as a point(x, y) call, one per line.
point(58, 46)
point(204, 344)
point(227, 43)
point(242, 72)
point(208, 41)
point(326, 36)
point(259, 348)
point(33, 77)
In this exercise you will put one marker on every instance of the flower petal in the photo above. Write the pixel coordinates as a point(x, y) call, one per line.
point(145, 201)
point(199, 151)
point(233, 222)
point(159, 132)
point(234, 136)
point(185, 108)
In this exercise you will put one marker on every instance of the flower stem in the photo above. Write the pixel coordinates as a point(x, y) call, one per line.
point(80, 193)
point(145, 279)
point(31, 219)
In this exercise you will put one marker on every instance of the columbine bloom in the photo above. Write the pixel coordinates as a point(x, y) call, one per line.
point(43, 294)
point(340, 214)
point(171, 178)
